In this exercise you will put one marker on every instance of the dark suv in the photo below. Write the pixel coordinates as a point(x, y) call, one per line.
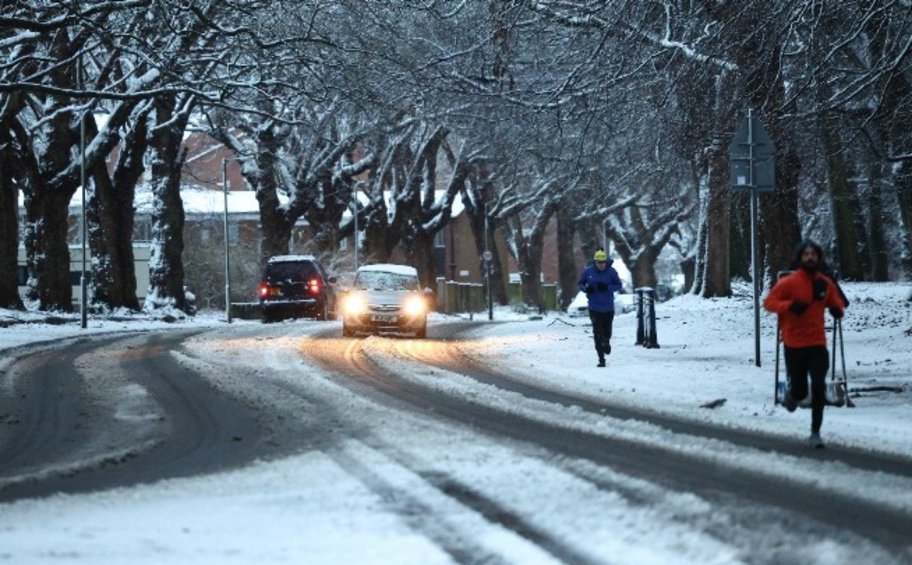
point(296, 285)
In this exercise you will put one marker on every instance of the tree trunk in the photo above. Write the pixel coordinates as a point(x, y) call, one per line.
point(716, 281)
point(894, 125)
point(590, 239)
point(419, 252)
point(110, 214)
point(740, 251)
point(643, 268)
point(847, 257)
point(567, 269)
point(378, 243)
point(276, 234)
point(880, 258)
point(702, 239)
point(779, 227)
point(9, 232)
point(902, 179)
point(530, 276)
point(47, 223)
point(688, 267)
point(498, 276)
point(529, 254)
point(166, 268)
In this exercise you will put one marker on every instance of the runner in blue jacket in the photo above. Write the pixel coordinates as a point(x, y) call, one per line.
point(600, 281)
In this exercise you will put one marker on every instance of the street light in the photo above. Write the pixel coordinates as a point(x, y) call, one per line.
point(355, 218)
point(227, 246)
point(83, 290)
point(488, 257)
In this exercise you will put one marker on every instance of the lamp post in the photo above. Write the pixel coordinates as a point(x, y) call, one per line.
point(488, 257)
point(83, 290)
point(355, 219)
point(227, 244)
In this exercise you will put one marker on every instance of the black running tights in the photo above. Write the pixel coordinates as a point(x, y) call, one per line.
point(799, 362)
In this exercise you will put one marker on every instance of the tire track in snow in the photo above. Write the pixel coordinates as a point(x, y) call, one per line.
point(660, 464)
point(360, 375)
point(206, 430)
point(455, 359)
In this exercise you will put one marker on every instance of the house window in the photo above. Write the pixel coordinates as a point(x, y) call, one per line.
point(142, 230)
point(439, 238)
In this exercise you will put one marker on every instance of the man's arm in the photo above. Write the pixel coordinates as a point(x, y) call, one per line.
point(776, 302)
point(835, 301)
point(583, 283)
point(616, 284)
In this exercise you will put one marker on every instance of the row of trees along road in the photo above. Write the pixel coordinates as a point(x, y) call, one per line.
point(602, 116)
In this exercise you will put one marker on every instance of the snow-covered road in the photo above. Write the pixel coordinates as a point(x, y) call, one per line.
point(407, 451)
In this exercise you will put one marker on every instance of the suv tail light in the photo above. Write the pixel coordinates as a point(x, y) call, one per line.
point(313, 286)
point(264, 289)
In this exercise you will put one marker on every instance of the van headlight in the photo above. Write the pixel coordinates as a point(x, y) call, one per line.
point(414, 306)
point(355, 304)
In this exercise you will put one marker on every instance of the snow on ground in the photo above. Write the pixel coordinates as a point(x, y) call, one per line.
point(18, 329)
point(371, 496)
point(707, 353)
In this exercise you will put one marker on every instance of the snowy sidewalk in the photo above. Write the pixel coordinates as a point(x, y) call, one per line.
point(706, 355)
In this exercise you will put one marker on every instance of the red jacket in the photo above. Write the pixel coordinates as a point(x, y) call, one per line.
point(805, 330)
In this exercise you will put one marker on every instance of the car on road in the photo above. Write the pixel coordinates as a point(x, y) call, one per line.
point(296, 286)
point(385, 298)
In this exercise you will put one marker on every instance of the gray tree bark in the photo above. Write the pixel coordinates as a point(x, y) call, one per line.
point(166, 267)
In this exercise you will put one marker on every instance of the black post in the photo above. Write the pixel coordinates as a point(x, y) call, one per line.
point(776, 380)
point(653, 341)
point(641, 330)
point(452, 252)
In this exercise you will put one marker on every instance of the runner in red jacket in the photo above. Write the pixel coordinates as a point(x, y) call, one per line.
point(800, 300)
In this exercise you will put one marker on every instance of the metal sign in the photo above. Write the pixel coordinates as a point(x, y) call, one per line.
point(752, 156)
point(487, 256)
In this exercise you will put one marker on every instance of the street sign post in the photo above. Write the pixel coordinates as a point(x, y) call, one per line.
point(752, 156)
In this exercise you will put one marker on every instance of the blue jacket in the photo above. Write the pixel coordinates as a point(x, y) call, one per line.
point(600, 287)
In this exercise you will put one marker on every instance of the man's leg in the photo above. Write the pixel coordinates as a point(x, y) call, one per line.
point(818, 365)
point(608, 321)
point(796, 369)
point(597, 334)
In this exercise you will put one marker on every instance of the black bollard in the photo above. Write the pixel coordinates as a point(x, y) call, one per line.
point(641, 329)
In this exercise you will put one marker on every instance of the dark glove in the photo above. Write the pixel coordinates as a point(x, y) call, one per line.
point(820, 289)
point(602, 287)
point(588, 289)
point(836, 312)
point(798, 307)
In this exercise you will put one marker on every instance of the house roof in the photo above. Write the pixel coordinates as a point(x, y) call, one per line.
point(204, 201)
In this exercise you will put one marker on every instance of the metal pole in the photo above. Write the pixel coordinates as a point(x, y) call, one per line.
point(755, 264)
point(487, 265)
point(227, 243)
point(83, 290)
point(355, 214)
point(452, 251)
